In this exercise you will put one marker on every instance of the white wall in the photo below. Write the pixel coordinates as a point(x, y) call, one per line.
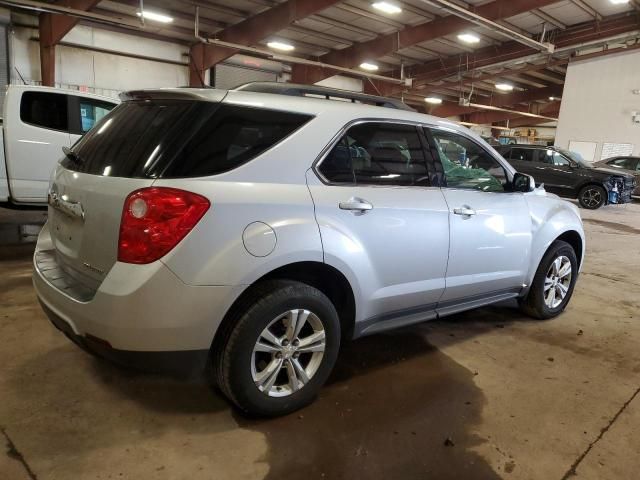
point(598, 102)
point(103, 72)
point(109, 73)
point(342, 82)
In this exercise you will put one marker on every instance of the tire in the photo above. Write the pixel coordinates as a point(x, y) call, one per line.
point(537, 303)
point(592, 197)
point(242, 373)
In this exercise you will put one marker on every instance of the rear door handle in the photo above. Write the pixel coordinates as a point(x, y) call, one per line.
point(464, 211)
point(356, 204)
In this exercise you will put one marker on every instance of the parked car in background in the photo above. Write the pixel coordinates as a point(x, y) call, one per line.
point(255, 230)
point(569, 175)
point(37, 122)
point(629, 165)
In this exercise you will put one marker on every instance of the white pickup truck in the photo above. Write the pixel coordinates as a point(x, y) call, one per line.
point(37, 123)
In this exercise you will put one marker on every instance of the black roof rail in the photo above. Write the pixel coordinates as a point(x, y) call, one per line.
point(299, 90)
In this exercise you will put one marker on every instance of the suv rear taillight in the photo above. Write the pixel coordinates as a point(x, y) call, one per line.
point(154, 220)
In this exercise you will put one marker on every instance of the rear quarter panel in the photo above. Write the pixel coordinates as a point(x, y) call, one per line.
point(214, 252)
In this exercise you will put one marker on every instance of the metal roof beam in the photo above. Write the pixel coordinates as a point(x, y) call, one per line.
point(587, 8)
point(249, 32)
point(500, 100)
point(412, 35)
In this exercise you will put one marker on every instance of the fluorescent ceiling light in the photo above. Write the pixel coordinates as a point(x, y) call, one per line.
point(619, 2)
point(505, 87)
point(468, 38)
point(433, 100)
point(286, 47)
point(372, 67)
point(386, 7)
point(155, 16)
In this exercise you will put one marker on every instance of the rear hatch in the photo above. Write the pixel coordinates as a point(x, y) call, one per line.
point(127, 150)
point(152, 135)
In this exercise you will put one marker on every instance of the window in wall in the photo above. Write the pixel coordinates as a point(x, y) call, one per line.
point(44, 109)
point(377, 154)
point(467, 165)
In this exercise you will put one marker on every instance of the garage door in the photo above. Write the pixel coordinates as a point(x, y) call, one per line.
point(230, 76)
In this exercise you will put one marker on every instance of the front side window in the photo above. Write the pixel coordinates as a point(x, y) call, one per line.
point(551, 157)
point(377, 154)
point(44, 109)
point(467, 165)
point(91, 111)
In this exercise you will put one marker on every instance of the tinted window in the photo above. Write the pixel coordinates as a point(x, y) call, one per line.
point(467, 165)
point(552, 157)
point(44, 109)
point(179, 139)
point(628, 163)
point(377, 154)
point(92, 111)
point(522, 154)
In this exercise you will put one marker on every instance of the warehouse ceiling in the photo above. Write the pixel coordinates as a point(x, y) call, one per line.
point(524, 45)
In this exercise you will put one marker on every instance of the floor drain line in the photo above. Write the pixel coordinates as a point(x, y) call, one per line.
point(572, 470)
point(14, 453)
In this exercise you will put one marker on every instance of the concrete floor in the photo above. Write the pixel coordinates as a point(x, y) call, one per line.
point(483, 395)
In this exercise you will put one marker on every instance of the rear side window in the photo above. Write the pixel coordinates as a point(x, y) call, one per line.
point(628, 163)
point(91, 112)
point(377, 154)
point(44, 109)
point(522, 154)
point(175, 138)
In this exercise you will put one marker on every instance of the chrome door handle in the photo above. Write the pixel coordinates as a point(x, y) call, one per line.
point(465, 211)
point(356, 204)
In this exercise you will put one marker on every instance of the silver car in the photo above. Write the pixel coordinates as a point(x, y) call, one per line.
point(253, 231)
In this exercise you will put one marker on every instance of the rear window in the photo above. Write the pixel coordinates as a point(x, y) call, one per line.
point(172, 139)
point(44, 109)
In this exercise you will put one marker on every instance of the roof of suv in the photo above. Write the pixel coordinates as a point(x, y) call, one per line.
point(295, 103)
point(527, 145)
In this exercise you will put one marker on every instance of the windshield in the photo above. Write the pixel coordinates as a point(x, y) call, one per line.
point(576, 157)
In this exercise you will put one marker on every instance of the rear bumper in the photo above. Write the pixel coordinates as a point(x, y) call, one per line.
point(186, 363)
point(137, 309)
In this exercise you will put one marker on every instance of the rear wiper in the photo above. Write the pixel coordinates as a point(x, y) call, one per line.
point(71, 155)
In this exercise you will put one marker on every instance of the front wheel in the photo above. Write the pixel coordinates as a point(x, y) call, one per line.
point(553, 282)
point(280, 350)
point(592, 197)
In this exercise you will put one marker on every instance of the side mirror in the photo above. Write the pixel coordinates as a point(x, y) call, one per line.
point(523, 183)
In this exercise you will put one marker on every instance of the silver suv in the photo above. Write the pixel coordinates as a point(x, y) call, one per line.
point(252, 231)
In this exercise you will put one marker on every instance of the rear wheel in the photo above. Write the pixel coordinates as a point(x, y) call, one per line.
point(592, 197)
point(280, 349)
point(553, 282)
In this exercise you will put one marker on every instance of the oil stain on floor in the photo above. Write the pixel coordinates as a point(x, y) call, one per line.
point(396, 407)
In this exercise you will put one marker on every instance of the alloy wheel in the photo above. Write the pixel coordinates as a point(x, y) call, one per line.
point(557, 281)
point(288, 353)
point(592, 197)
